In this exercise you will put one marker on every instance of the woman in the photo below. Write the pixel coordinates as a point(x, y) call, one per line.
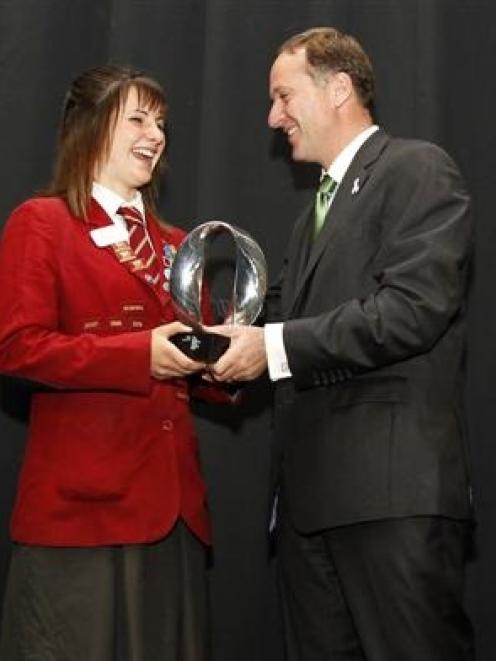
point(109, 523)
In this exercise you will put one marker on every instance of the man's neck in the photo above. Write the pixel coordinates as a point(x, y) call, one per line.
point(346, 133)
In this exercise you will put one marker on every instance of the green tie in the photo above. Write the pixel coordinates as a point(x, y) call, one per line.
point(322, 200)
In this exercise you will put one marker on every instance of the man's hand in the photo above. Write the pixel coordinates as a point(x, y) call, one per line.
point(167, 361)
point(245, 359)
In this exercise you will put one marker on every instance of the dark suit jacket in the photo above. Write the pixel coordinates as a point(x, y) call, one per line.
point(371, 422)
point(112, 453)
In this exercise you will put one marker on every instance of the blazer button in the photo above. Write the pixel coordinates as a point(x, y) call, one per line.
point(167, 425)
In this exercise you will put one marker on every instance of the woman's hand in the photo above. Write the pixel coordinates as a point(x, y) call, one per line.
point(167, 361)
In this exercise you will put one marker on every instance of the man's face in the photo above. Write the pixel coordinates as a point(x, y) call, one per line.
point(301, 107)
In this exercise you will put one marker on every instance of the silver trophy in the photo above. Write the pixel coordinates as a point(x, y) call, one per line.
point(195, 300)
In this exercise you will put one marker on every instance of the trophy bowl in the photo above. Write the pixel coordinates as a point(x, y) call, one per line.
point(193, 296)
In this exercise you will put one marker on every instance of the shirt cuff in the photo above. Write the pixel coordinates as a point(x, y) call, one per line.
point(276, 353)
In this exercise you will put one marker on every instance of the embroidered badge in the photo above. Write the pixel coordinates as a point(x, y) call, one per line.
point(133, 307)
point(123, 251)
point(138, 265)
point(169, 252)
point(88, 325)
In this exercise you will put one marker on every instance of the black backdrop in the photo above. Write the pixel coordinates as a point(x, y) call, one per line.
point(434, 64)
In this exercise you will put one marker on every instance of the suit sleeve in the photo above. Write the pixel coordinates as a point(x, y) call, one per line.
point(419, 274)
point(32, 345)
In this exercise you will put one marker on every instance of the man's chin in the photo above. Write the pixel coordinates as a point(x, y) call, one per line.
point(300, 156)
point(296, 153)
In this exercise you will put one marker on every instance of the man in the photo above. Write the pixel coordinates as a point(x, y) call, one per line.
point(374, 509)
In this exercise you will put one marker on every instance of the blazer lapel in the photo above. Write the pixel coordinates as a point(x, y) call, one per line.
point(165, 249)
point(342, 207)
point(97, 218)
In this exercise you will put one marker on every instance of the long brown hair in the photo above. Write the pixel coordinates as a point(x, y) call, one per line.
point(90, 110)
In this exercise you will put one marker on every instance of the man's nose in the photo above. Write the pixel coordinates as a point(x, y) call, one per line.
point(276, 115)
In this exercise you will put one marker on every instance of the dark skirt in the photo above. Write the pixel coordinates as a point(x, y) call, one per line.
point(143, 602)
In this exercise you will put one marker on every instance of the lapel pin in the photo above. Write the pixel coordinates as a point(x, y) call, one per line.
point(356, 186)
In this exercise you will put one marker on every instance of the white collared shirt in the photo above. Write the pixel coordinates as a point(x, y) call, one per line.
point(274, 343)
point(110, 202)
point(342, 162)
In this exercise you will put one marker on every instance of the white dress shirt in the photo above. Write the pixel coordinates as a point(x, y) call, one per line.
point(274, 343)
point(110, 202)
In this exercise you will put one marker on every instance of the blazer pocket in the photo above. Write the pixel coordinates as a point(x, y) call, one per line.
point(394, 389)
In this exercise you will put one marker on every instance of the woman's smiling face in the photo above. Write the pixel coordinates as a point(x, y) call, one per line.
point(137, 143)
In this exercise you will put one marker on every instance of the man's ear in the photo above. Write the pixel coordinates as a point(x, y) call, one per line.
point(341, 88)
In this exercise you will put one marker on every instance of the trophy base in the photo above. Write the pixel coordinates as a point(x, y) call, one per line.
point(203, 347)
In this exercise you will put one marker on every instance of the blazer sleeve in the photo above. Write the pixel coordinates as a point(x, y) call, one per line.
point(419, 270)
point(32, 345)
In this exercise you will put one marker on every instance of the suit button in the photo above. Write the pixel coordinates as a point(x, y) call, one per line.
point(167, 425)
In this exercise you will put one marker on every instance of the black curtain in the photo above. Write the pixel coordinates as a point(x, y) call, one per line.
point(434, 64)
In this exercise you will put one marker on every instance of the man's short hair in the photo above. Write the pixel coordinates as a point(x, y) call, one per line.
point(329, 50)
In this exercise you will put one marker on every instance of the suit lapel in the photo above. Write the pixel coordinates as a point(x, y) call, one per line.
point(297, 257)
point(341, 210)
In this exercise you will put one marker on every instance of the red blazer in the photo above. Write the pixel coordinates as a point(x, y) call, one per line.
point(112, 455)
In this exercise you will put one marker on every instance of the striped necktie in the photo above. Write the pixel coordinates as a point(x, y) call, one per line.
point(145, 258)
point(323, 200)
